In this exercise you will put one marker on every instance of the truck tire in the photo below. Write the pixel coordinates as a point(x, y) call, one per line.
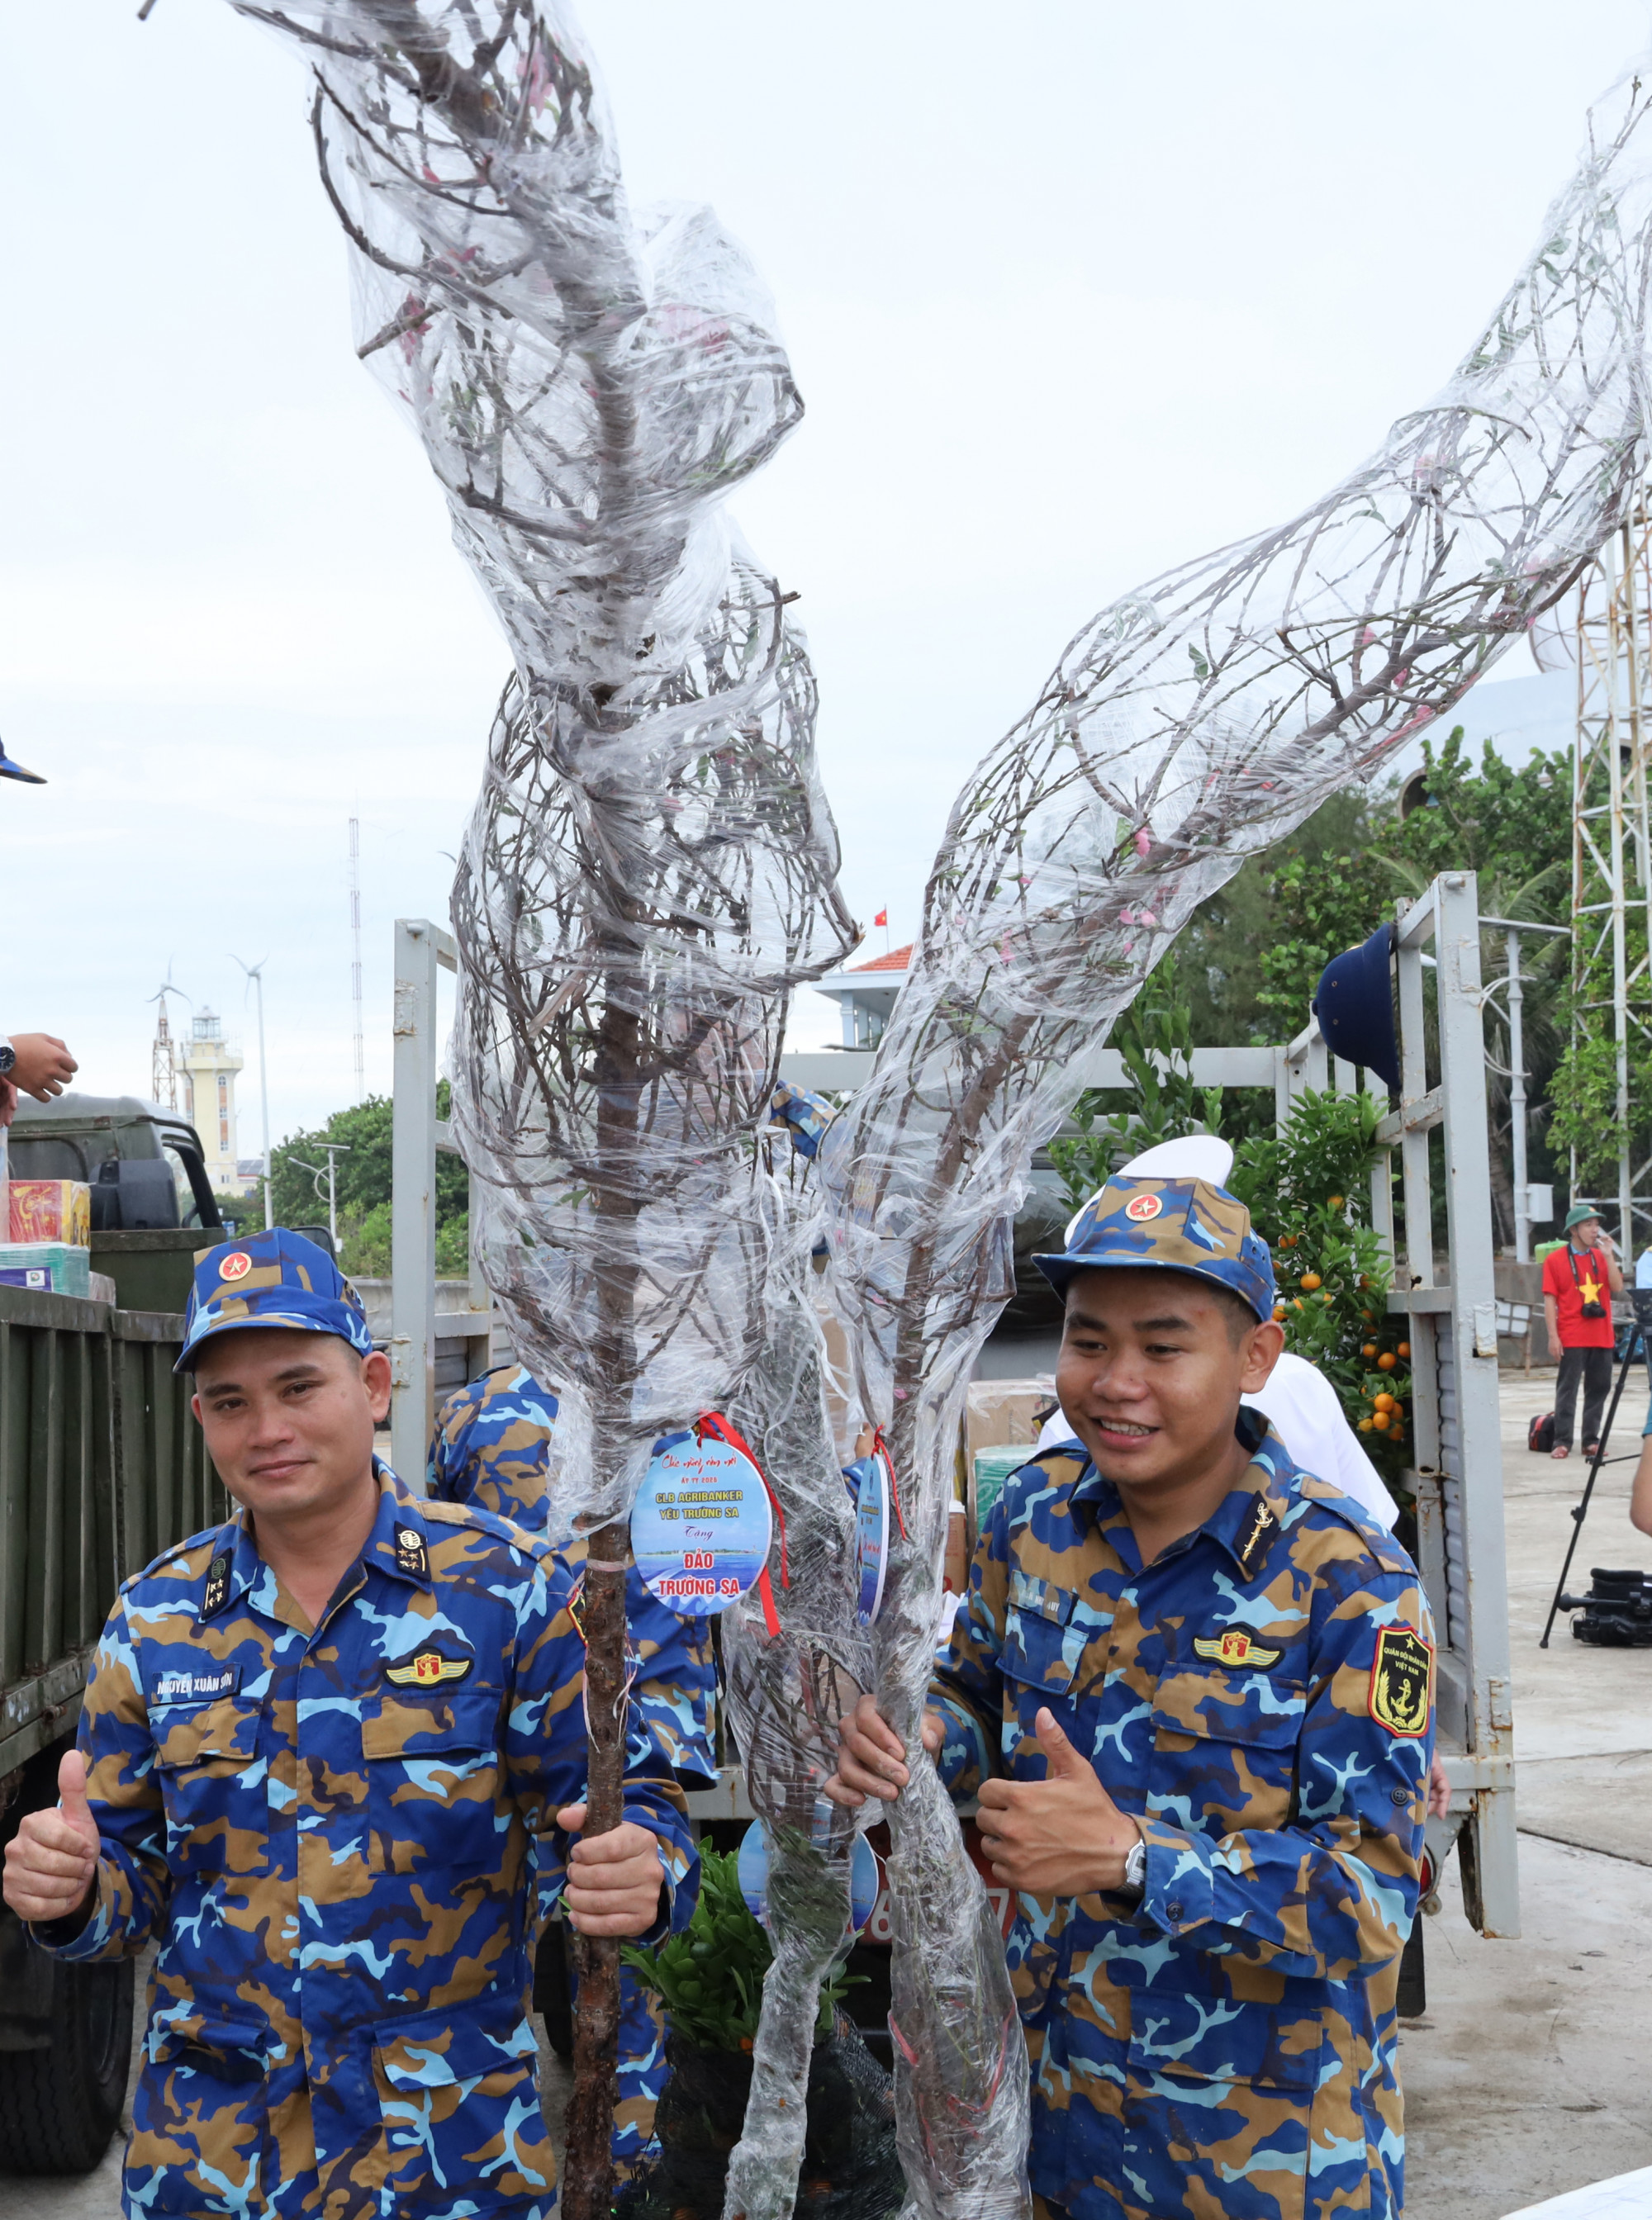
point(59, 2107)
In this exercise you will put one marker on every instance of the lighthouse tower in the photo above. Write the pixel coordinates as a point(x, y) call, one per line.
point(208, 1065)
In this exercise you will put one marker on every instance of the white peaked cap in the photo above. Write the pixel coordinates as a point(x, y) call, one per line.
point(1195, 1156)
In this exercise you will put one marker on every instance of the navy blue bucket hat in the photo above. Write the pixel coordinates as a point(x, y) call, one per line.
point(1354, 1004)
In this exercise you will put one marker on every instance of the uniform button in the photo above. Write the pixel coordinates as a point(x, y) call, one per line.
point(1399, 1795)
point(1173, 1911)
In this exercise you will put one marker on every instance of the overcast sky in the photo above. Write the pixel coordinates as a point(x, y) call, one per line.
point(1072, 292)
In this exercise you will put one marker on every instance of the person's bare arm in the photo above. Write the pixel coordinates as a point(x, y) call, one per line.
point(1614, 1269)
point(1640, 1495)
point(44, 1066)
point(1551, 1319)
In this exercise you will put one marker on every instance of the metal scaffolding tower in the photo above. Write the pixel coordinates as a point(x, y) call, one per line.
point(163, 1075)
point(1612, 858)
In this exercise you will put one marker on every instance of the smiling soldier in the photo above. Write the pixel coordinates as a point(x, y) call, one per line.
point(321, 1749)
point(1192, 1688)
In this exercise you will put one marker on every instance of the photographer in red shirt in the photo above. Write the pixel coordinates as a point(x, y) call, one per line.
point(1578, 1283)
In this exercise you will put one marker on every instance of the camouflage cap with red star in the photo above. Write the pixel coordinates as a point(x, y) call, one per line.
point(272, 1278)
point(1167, 1225)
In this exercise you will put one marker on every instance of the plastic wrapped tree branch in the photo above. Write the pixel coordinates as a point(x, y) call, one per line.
point(1191, 724)
point(651, 866)
point(785, 1692)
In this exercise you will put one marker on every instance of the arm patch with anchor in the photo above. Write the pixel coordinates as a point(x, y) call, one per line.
point(1402, 1683)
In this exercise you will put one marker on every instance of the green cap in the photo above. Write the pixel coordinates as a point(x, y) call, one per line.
point(1578, 1212)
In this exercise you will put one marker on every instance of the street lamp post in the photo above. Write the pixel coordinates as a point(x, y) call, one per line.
point(334, 1150)
point(255, 973)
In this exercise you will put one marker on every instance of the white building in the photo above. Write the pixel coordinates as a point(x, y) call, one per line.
point(208, 1066)
point(865, 994)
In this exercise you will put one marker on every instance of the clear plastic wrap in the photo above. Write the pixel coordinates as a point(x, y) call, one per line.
point(651, 866)
point(1190, 725)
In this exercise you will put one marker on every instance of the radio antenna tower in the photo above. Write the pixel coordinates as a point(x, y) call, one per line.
point(355, 955)
point(163, 1084)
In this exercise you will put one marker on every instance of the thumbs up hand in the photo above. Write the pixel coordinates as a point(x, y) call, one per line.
point(51, 1860)
point(1059, 1837)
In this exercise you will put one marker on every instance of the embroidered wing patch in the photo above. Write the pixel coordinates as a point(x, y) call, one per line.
point(428, 1668)
point(1402, 1681)
point(1235, 1648)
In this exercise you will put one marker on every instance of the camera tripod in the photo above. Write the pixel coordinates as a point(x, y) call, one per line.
point(1640, 1347)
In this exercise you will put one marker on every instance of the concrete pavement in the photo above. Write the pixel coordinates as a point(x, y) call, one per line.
point(1528, 2077)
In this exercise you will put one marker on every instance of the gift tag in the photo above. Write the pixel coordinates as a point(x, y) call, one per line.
point(701, 1526)
point(751, 1866)
point(871, 1537)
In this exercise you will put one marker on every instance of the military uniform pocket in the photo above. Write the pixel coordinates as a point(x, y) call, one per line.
point(461, 2112)
point(200, 2119)
point(1217, 2094)
point(213, 1776)
point(1225, 1748)
point(1041, 1647)
point(433, 1773)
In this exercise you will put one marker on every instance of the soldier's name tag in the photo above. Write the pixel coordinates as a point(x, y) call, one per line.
point(1235, 1648)
point(196, 1685)
point(1402, 1683)
point(428, 1669)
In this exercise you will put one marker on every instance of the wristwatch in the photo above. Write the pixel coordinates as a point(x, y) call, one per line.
point(8, 1057)
point(1135, 1869)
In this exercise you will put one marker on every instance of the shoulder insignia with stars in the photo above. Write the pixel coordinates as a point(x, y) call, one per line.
point(216, 1594)
point(411, 1556)
point(1257, 1535)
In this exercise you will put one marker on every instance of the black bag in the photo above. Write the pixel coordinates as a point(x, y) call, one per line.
point(1540, 1434)
point(851, 2169)
point(1617, 1612)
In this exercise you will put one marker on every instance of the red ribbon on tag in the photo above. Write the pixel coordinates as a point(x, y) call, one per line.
point(880, 1448)
point(713, 1422)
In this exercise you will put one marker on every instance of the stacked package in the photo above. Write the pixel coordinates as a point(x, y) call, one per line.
point(50, 1244)
point(51, 1210)
point(58, 1267)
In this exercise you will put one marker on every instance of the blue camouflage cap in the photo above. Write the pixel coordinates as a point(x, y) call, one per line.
point(1174, 1225)
point(274, 1277)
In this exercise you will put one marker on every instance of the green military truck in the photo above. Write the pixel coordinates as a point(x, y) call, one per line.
point(101, 1466)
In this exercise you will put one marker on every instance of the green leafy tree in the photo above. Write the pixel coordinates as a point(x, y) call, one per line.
point(1307, 1189)
point(1155, 1038)
point(364, 1187)
point(1513, 828)
point(1321, 905)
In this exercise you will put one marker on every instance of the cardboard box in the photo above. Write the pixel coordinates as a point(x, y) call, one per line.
point(58, 1267)
point(51, 1210)
point(1003, 1412)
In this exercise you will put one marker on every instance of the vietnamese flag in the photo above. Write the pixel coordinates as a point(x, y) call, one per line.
point(883, 918)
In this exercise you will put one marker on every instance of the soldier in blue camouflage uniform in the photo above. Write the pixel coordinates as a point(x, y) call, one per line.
point(1193, 1686)
point(491, 1448)
point(322, 1788)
